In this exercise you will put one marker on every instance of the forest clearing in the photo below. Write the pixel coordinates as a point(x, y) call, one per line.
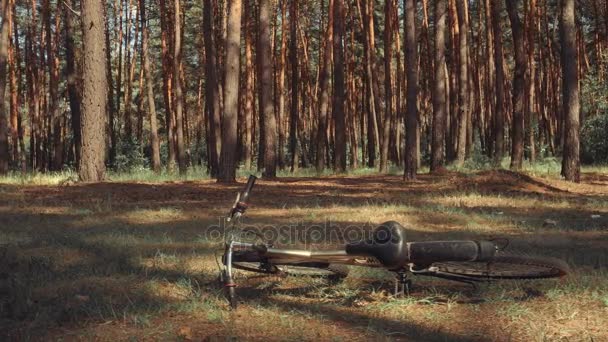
point(129, 261)
point(466, 141)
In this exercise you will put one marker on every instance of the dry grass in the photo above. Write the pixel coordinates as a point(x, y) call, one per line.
point(124, 260)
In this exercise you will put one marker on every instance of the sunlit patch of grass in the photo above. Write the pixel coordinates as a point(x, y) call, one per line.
point(514, 311)
point(149, 176)
point(159, 215)
point(48, 178)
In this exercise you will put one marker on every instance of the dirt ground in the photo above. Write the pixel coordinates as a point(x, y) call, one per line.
point(136, 261)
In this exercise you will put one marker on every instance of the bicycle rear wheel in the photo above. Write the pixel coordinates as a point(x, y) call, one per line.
point(502, 266)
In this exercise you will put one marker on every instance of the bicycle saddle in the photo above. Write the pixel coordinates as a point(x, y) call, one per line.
point(388, 244)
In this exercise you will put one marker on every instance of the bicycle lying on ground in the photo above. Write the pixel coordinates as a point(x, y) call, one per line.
point(458, 260)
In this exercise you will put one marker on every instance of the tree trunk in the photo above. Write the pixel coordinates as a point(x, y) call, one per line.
point(324, 90)
point(463, 81)
point(92, 158)
point(499, 111)
point(72, 72)
point(439, 91)
point(571, 167)
point(371, 94)
point(4, 41)
point(179, 97)
point(54, 112)
point(517, 133)
point(281, 83)
point(212, 91)
point(338, 93)
point(388, 90)
point(231, 92)
point(411, 116)
point(247, 126)
point(154, 141)
point(295, 93)
point(265, 75)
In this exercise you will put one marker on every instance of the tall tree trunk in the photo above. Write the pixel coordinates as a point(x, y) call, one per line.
point(281, 83)
point(128, 122)
point(499, 111)
point(212, 90)
point(463, 81)
point(265, 75)
point(4, 41)
point(338, 94)
point(115, 123)
point(154, 140)
point(439, 91)
point(371, 94)
point(111, 112)
point(517, 133)
point(72, 72)
point(247, 126)
point(571, 167)
point(295, 93)
point(92, 158)
point(13, 65)
point(168, 81)
point(54, 111)
point(179, 97)
point(411, 116)
point(531, 29)
point(388, 90)
point(231, 92)
point(324, 90)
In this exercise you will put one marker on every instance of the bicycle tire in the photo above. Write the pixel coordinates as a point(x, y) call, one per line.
point(323, 270)
point(501, 267)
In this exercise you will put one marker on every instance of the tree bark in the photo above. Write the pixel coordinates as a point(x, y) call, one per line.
point(499, 111)
point(295, 92)
point(571, 167)
point(338, 93)
point(154, 141)
point(411, 116)
point(324, 90)
point(439, 91)
point(265, 75)
point(54, 112)
point(517, 134)
point(212, 90)
point(72, 73)
point(231, 92)
point(249, 80)
point(281, 83)
point(463, 81)
point(179, 96)
point(4, 41)
point(92, 158)
point(388, 90)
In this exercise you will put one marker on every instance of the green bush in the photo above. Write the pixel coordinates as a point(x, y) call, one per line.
point(594, 141)
point(130, 157)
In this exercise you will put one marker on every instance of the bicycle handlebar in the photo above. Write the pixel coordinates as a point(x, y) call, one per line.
point(241, 203)
point(248, 188)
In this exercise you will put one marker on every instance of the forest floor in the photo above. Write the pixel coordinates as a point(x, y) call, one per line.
point(133, 260)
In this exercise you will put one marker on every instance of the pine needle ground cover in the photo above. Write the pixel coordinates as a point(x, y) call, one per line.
point(132, 260)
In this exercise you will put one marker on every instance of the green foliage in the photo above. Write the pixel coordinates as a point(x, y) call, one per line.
point(594, 106)
point(129, 156)
point(593, 140)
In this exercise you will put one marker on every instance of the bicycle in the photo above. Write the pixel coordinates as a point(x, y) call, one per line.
point(466, 261)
